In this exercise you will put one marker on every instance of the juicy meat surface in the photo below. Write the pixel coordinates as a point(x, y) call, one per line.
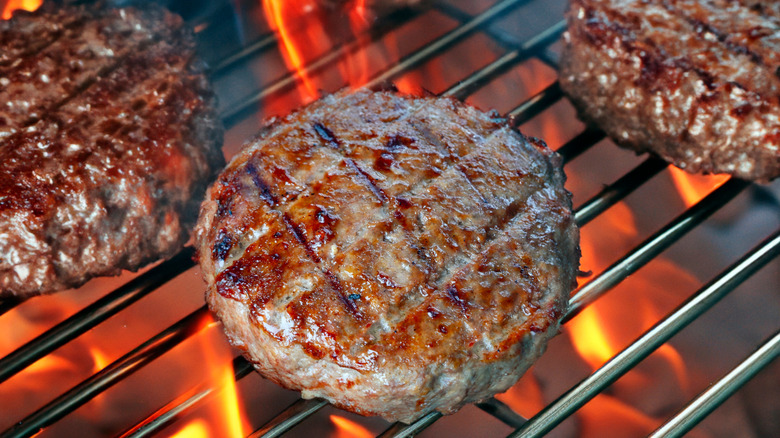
point(108, 139)
point(393, 254)
point(695, 82)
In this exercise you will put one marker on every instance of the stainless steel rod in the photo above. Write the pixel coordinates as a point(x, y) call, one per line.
point(557, 411)
point(94, 314)
point(107, 377)
point(446, 41)
point(467, 86)
point(403, 430)
point(290, 79)
point(715, 395)
point(183, 404)
point(289, 418)
point(618, 190)
point(536, 104)
point(654, 245)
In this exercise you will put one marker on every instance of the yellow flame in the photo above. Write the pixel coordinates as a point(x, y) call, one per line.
point(12, 5)
point(194, 429)
point(349, 429)
point(589, 337)
point(694, 187)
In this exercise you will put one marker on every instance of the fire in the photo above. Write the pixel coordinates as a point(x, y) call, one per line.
point(225, 416)
point(195, 429)
point(525, 397)
point(9, 6)
point(694, 187)
point(349, 429)
point(279, 18)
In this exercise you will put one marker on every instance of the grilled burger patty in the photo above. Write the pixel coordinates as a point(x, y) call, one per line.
point(394, 255)
point(108, 138)
point(693, 81)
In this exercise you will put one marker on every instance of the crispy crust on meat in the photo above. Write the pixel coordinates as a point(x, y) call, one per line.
point(394, 255)
point(108, 139)
point(695, 82)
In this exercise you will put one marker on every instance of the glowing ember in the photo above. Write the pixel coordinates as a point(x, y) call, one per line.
point(694, 187)
point(349, 429)
point(8, 6)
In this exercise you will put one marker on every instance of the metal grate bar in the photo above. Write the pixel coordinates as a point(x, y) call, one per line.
point(654, 245)
point(108, 376)
point(402, 430)
point(656, 336)
point(183, 404)
point(94, 314)
point(500, 410)
point(505, 62)
point(535, 105)
point(289, 418)
point(621, 188)
point(446, 41)
point(724, 388)
point(232, 115)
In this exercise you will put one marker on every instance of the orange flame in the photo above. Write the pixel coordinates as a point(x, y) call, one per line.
point(9, 6)
point(694, 187)
point(349, 429)
point(229, 412)
point(602, 413)
point(277, 15)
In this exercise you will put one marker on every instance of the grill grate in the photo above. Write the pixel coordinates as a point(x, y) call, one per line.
point(537, 47)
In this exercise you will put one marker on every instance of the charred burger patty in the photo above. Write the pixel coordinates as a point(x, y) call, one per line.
point(395, 255)
point(108, 138)
point(695, 82)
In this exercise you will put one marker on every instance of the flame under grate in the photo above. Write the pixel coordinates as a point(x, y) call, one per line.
point(539, 47)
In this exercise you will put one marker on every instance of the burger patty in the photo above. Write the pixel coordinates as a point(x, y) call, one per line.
point(108, 139)
point(695, 82)
point(393, 254)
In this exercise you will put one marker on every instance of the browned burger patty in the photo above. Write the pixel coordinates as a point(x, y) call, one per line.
point(394, 255)
point(694, 81)
point(108, 138)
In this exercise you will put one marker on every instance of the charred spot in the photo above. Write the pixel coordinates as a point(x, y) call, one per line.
point(327, 135)
point(278, 234)
point(222, 246)
point(338, 288)
point(457, 296)
point(367, 181)
point(265, 191)
point(138, 104)
point(300, 236)
point(404, 203)
point(396, 142)
point(384, 162)
point(442, 329)
point(109, 127)
point(651, 68)
point(433, 312)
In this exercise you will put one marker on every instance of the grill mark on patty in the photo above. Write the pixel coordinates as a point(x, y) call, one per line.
point(327, 136)
point(300, 236)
